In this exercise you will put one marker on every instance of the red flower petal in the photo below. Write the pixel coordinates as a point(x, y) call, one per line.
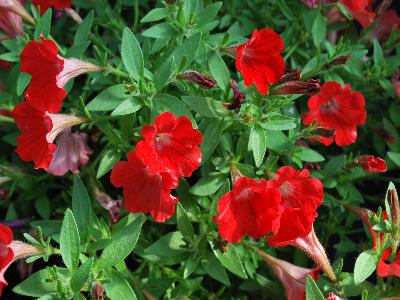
point(45, 4)
point(259, 59)
point(337, 108)
point(170, 145)
point(251, 208)
point(361, 11)
point(144, 191)
point(301, 196)
point(32, 143)
point(371, 164)
point(388, 269)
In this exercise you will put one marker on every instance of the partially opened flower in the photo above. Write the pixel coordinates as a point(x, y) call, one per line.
point(292, 277)
point(170, 145)
point(10, 23)
point(71, 152)
point(16, 7)
point(38, 132)
point(50, 72)
point(259, 59)
point(46, 4)
point(251, 208)
point(143, 190)
point(384, 25)
point(371, 164)
point(361, 10)
point(339, 109)
point(385, 268)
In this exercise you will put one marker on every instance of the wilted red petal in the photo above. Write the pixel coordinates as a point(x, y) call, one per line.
point(144, 191)
point(251, 208)
point(170, 145)
point(259, 59)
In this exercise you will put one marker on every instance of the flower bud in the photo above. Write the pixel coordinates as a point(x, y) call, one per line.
point(309, 87)
point(292, 75)
point(393, 201)
point(238, 96)
point(195, 77)
point(324, 132)
point(341, 60)
point(371, 164)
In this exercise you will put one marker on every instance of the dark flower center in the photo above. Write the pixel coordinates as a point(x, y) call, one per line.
point(330, 106)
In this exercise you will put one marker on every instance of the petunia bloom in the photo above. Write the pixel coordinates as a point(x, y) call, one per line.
point(371, 164)
point(170, 145)
point(251, 208)
point(16, 7)
point(361, 10)
point(46, 4)
point(386, 269)
point(10, 23)
point(292, 277)
point(384, 25)
point(337, 108)
point(71, 152)
point(259, 59)
point(38, 132)
point(143, 190)
point(50, 72)
point(10, 251)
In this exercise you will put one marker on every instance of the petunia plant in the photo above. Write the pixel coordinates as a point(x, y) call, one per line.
point(199, 149)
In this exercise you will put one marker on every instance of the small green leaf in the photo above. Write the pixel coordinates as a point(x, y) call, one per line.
point(118, 287)
point(22, 83)
point(395, 157)
point(108, 161)
point(219, 71)
point(208, 14)
point(183, 222)
point(211, 136)
point(379, 58)
point(81, 205)
point(215, 269)
point(168, 245)
point(159, 31)
point(257, 143)
point(205, 107)
point(43, 25)
point(132, 55)
point(164, 74)
point(81, 275)
point(123, 243)
point(190, 266)
point(83, 31)
point(128, 106)
point(365, 265)
point(318, 30)
point(231, 261)
point(312, 290)
point(108, 99)
point(69, 241)
point(208, 185)
point(155, 14)
point(163, 102)
point(309, 155)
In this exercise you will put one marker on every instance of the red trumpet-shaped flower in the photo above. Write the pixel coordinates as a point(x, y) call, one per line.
point(38, 132)
point(386, 269)
point(292, 277)
point(371, 164)
point(50, 72)
point(57, 4)
point(259, 59)
point(145, 191)
point(170, 145)
point(339, 109)
point(361, 10)
point(251, 208)
point(71, 152)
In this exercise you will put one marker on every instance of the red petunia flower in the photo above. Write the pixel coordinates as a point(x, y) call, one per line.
point(292, 277)
point(259, 59)
point(384, 24)
point(170, 145)
point(57, 4)
point(371, 164)
point(145, 191)
point(251, 208)
point(337, 108)
point(38, 132)
point(71, 152)
point(301, 195)
point(361, 10)
point(50, 72)
point(388, 269)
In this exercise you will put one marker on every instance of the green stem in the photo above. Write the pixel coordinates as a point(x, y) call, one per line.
point(117, 72)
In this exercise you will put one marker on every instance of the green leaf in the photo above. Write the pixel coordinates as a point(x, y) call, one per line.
point(395, 157)
point(123, 243)
point(208, 14)
point(168, 245)
point(108, 161)
point(208, 185)
point(215, 269)
point(183, 222)
point(379, 58)
point(132, 55)
point(22, 83)
point(231, 261)
point(211, 136)
point(159, 31)
point(257, 143)
point(279, 122)
point(365, 265)
point(205, 107)
point(69, 241)
point(312, 290)
point(108, 99)
point(318, 30)
point(163, 102)
point(42, 205)
point(81, 275)
point(219, 71)
point(164, 74)
point(190, 266)
point(43, 25)
point(82, 34)
point(128, 106)
point(155, 15)
point(81, 205)
point(309, 155)
point(333, 166)
point(118, 288)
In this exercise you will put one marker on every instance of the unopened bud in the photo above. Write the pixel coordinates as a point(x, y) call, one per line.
point(371, 164)
point(238, 96)
point(393, 201)
point(341, 60)
point(98, 292)
point(292, 75)
point(195, 77)
point(309, 87)
point(324, 132)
